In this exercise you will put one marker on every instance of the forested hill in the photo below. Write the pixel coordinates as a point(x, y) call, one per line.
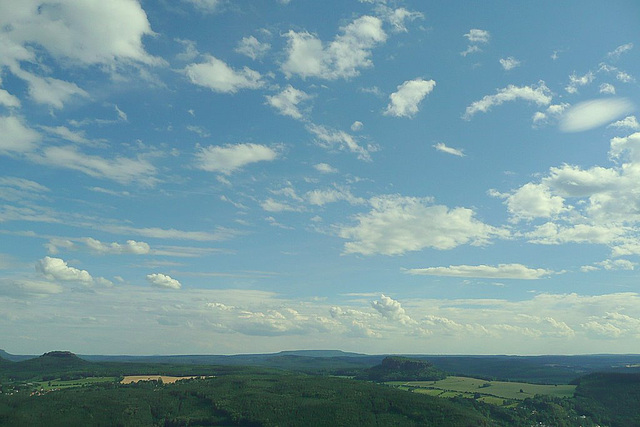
point(610, 398)
point(395, 368)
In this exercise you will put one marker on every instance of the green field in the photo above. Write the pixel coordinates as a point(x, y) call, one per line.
point(493, 392)
point(60, 384)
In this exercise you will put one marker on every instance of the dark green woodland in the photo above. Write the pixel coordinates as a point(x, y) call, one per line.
point(62, 389)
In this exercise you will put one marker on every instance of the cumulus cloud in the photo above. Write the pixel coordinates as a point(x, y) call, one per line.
point(405, 102)
point(57, 269)
point(230, 158)
point(252, 47)
point(540, 95)
point(343, 58)
point(441, 146)
point(501, 271)
point(477, 36)
point(219, 77)
point(608, 89)
point(398, 17)
point(130, 247)
point(269, 322)
point(88, 32)
point(286, 102)
point(325, 168)
point(591, 114)
point(509, 63)
point(532, 201)
point(575, 81)
point(397, 224)
point(629, 122)
point(552, 113)
point(392, 310)
point(163, 281)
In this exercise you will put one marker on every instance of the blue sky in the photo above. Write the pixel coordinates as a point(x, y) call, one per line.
point(224, 176)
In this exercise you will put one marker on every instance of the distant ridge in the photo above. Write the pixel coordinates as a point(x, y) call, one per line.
point(14, 357)
point(319, 353)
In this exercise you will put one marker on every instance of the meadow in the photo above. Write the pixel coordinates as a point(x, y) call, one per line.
point(493, 392)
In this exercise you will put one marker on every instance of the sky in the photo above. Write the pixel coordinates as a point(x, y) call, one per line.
point(375, 176)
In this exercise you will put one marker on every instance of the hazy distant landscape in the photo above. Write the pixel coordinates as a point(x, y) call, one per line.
point(327, 388)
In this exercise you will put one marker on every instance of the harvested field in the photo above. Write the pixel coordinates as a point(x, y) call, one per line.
point(165, 378)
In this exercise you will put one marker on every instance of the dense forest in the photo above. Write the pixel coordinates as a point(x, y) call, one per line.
point(260, 396)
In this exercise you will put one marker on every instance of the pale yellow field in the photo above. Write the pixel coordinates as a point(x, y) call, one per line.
point(165, 378)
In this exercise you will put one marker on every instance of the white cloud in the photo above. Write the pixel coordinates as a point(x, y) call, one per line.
point(553, 112)
point(470, 49)
point(342, 58)
point(356, 126)
point(269, 322)
point(206, 6)
point(163, 281)
point(624, 77)
point(16, 136)
point(230, 158)
point(392, 310)
point(87, 32)
point(67, 134)
point(502, 271)
point(478, 36)
point(50, 91)
point(286, 102)
point(575, 81)
point(615, 54)
point(219, 77)
point(22, 287)
point(7, 99)
point(540, 95)
point(325, 168)
point(271, 205)
point(475, 37)
point(441, 146)
point(532, 201)
point(591, 114)
point(130, 247)
point(607, 88)
point(220, 233)
point(554, 234)
point(322, 197)
point(57, 269)
point(251, 47)
point(509, 63)
point(404, 102)
point(19, 189)
point(398, 224)
point(329, 138)
point(121, 169)
point(398, 17)
point(617, 264)
point(629, 122)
